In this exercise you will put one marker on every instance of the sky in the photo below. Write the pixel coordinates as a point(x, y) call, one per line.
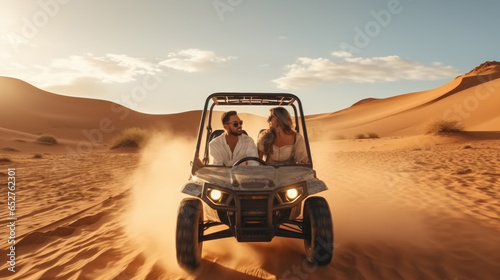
point(163, 57)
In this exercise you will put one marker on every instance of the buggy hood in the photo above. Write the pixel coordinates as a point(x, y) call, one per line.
point(253, 178)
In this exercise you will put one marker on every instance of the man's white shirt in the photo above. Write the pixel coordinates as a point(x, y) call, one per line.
point(220, 153)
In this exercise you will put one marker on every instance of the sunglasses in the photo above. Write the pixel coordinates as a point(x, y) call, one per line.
point(236, 124)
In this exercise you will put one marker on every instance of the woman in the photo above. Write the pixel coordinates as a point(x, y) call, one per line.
point(281, 144)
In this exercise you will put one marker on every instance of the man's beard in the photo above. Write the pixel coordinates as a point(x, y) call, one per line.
point(235, 133)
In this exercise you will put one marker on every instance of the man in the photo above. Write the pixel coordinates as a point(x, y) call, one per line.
point(232, 145)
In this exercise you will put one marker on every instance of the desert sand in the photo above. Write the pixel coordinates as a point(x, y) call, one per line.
point(406, 205)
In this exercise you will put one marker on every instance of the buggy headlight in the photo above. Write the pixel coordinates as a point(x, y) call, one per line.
point(215, 195)
point(291, 194)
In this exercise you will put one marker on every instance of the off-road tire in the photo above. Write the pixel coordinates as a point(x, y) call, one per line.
point(318, 231)
point(188, 233)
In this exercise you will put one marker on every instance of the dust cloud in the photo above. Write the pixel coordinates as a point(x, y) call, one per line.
point(152, 214)
point(151, 218)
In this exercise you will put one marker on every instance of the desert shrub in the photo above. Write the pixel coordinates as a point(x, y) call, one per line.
point(463, 171)
point(5, 159)
point(360, 136)
point(37, 156)
point(467, 147)
point(373, 135)
point(9, 149)
point(443, 126)
point(46, 140)
point(132, 137)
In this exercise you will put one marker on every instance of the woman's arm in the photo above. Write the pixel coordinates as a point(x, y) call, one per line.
point(300, 152)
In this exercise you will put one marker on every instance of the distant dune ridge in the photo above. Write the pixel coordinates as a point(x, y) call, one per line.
point(26, 112)
point(472, 99)
point(404, 206)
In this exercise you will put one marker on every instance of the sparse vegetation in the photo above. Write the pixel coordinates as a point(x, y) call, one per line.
point(5, 160)
point(359, 136)
point(37, 156)
point(463, 171)
point(372, 135)
point(46, 140)
point(443, 126)
point(10, 149)
point(133, 137)
point(467, 147)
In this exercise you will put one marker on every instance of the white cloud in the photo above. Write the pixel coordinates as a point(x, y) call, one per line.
point(310, 71)
point(111, 68)
point(193, 60)
point(106, 69)
point(342, 54)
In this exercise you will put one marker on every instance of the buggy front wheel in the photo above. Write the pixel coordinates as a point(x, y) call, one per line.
point(188, 233)
point(318, 231)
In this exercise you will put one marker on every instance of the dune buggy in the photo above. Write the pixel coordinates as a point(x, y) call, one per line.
point(251, 203)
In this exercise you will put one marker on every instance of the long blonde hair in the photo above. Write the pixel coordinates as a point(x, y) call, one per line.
point(269, 135)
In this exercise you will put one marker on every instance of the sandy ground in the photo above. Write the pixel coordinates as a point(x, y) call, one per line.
point(405, 205)
point(400, 212)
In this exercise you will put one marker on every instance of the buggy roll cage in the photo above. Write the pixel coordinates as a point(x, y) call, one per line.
point(247, 99)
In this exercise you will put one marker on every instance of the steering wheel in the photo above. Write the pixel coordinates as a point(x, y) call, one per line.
point(249, 158)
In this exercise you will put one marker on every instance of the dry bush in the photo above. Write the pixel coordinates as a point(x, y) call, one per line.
point(5, 159)
point(132, 137)
point(443, 126)
point(463, 171)
point(37, 156)
point(9, 149)
point(373, 135)
point(46, 140)
point(360, 136)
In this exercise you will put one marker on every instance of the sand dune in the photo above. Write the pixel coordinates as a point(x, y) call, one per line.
point(399, 214)
point(404, 206)
point(471, 99)
point(27, 112)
